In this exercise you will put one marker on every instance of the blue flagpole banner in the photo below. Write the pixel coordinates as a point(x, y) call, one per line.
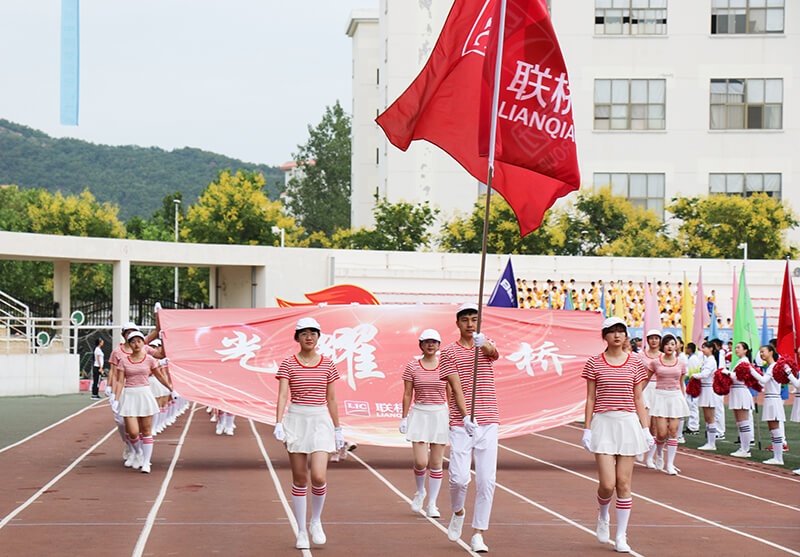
point(504, 294)
point(764, 330)
point(713, 328)
point(70, 39)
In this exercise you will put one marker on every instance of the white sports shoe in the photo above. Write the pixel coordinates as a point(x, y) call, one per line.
point(603, 530)
point(137, 462)
point(455, 526)
point(621, 545)
point(796, 471)
point(317, 533)
point(741, 453)
point(681, 440)
point(126, 453)
point(707, 447)
point(477, 545)
point(220, 428)
point(228, 431)
point(131, 460)
point(146, 468)
point(433, 511)
point(416, 504)
point(671, 470)
point(774, 460)
point(651, 463)
point(302, 541)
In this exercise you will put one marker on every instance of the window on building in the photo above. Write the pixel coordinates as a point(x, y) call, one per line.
point(641, 189)
point(630, 104)
point(745, 184)
point(738, 104)
point(746, 16)
point(630, 17)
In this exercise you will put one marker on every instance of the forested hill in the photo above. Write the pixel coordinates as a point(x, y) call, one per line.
point(134, 178)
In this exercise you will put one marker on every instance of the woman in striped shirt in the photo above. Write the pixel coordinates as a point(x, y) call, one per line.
point(427, 424)
point(616, 426)
point(311, 428)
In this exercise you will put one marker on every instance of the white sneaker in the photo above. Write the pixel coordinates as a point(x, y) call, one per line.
point(146, 468)
point(137, 462)
point(317, 533)
point(131, 460)
point(796, 471)
point(228, 431)
point(126, 453)
point(220, 428)
point(741, 453)
point(681, 440)
point(455, 526)
point(707, 447)
point(433, 511)
point(214, 419)
point(671, 471)
point(603, 530)
point(302, 541)
point(477, 545)
point(660, 462)
point(650, 463)
point(416, 504)
point(621, 545)
point(774, 460)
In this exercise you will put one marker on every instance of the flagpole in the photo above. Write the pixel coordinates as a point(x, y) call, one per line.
point(791, 310)
point(492, 141)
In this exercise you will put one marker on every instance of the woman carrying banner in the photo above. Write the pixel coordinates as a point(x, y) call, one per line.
point(114, 389)
point(616, 426)
point(774, 413)
point(707, 400)
point(668, 402)
point(136, 402)
point(311, 428)
point(427, 424)
point(741, 401)
point(649, 354)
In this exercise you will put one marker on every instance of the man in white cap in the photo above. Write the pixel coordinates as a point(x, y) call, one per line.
point(471, 439)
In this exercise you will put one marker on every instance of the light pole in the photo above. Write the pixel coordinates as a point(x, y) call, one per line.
point(276, 229)
point(177, 205)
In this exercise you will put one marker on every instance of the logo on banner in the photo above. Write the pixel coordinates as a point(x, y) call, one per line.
point(356, 408)
point(478, 38)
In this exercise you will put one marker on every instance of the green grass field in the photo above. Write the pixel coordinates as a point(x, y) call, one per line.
point(24, 415)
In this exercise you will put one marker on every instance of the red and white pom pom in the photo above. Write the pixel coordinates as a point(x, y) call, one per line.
point(693, 387)
point(722, 383)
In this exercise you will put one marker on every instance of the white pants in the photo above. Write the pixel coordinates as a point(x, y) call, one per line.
point(482, 446)
point(693, 421)
point(719, 414)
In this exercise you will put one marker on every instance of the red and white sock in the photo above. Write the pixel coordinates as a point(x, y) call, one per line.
point(132, 443)
point(299, 506)
point(672, 449)
point(603, 505)
point(139, 444)
point(317, 501)
point(147, 449)
point(434, 484)
point(419, 477)
point(660, 448)
point(623, 514)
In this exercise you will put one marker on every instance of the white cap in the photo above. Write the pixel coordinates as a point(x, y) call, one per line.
point(430, 334)
point(132, 334)
point(155, 342)
point(129, 325)
point(307, 323)
point(611, 321)
point(468, 306)
point(652, 332)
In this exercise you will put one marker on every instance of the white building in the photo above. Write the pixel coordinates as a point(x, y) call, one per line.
point(678, 97)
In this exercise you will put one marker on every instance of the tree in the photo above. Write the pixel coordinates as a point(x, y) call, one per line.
point(715, 225)
point(74, 215)
point(465, 234)
point(233, 209)
point(319, 197)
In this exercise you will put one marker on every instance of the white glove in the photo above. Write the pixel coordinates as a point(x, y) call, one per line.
point(163, 362)
point(278, 432)
point(108, 390)
point(469, 425)
point(156, 307)
point(478, 339)
point(115, 406)
point(648, 437)
point(586, 441)
point(404, 426)
point(174, 394)
point(339, 435)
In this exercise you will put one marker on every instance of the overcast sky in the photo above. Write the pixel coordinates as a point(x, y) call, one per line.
point(239, 77)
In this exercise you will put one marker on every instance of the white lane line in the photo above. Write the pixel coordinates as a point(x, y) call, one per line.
point(49, 484)
point(685, 477)
point(407, 500)
point(723, 463)
point(286, 508)
point(61, 421)
point(151, 516)
point(660, 504)
point(549, 511)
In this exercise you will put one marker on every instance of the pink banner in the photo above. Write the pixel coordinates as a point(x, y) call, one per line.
point(227, 358)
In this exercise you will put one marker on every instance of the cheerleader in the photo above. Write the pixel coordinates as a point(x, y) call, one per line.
point(114, 388)
point(137, 403)
point(795, 416)
point(427, 424)
point(773, 414)
point(309, 431)
point(616, 426)
point(648, 355)
point(741, 402)
point(706, 400)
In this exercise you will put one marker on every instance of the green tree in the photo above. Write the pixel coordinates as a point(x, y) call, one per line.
point(715, 225)
point(319, 197)
point(465, 234)
point(399, 226)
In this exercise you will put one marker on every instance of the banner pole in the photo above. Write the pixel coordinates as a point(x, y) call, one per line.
point(492, 142)
point(791, 310)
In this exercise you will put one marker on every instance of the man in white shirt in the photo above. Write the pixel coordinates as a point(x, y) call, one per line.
point(97, 367)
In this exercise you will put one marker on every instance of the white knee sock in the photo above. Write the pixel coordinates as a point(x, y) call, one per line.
point(711, 435)
point(745, 434)
point(603, 505)
point(317, 501)
point(777, 444)
point(672, 449)
point(419, 477)
point(623, 514)
point(299, 506)
point(434, 484)
point(147, 449)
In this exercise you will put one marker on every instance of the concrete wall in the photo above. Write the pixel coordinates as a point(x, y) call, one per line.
point(38, 374)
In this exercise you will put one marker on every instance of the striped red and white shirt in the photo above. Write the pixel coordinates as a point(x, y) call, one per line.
point(137, 373)
point(454, 358)
point(308, 385)
point(614, 384)
point(428, 388)
point(120, 352)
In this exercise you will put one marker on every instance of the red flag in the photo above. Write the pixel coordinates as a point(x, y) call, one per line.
point(788, 319)
point(442, 106)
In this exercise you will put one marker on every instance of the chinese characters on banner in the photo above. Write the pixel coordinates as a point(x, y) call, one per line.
point(228, 359)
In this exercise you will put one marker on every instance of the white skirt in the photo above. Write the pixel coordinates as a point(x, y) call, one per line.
point(773, 409)
point(669, 404)
point(618, 433)
point(157, 387)
point(706, 398)
point(795, 417)
point(309, 429)
point(137, 402)
point(647, 394)
point(428, 423)
point(740, 398)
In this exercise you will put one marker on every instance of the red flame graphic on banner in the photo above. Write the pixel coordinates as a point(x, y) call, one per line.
point(341, 294)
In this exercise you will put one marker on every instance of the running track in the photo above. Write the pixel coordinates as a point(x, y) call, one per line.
point(65, 490)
